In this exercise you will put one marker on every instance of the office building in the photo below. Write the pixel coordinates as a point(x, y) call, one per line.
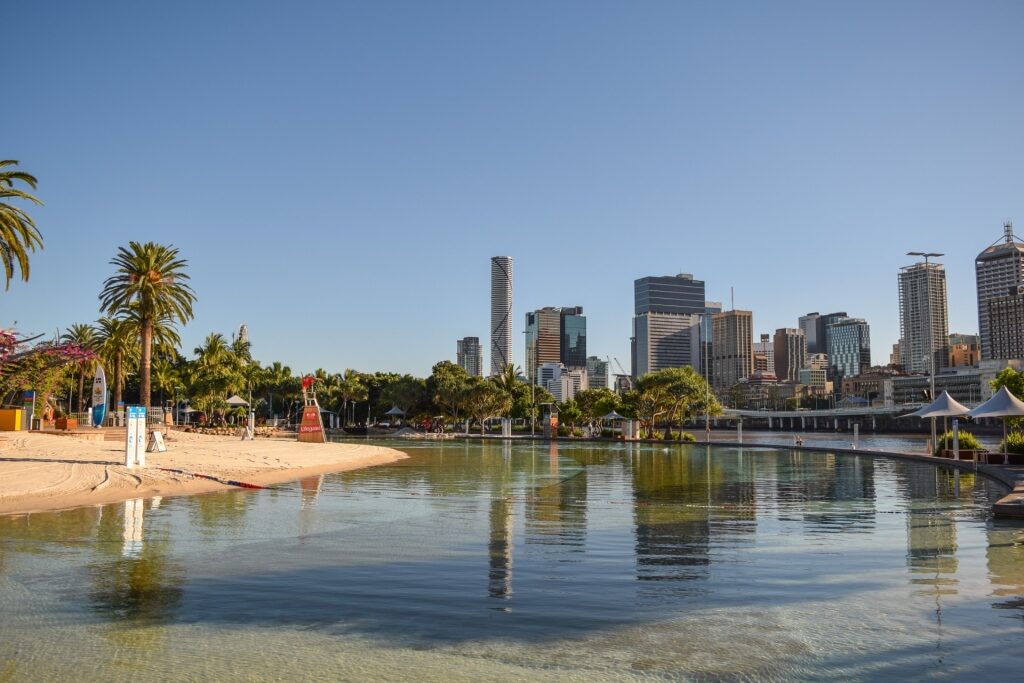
point(666, 323)
point(924, 326)
point(764, 355)
point(849, 351)
point(1006, 326)
point(809, 325)
point(597, 373)
point(469, 354)
point(732, 347)
point(964, 350)
point(555, 335)
point(822, 323)
point(790, 353)
point(817, 361)
point(501, 313)
point(1000, 273)
point(705, 334)
point(563, 383)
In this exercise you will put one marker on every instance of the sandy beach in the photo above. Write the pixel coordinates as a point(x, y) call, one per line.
point(49, 472)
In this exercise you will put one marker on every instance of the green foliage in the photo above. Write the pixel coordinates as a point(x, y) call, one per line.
point(967, 441)
point(1014, 443)
point(486, 399)
point(1014, 383)
point(18, 232)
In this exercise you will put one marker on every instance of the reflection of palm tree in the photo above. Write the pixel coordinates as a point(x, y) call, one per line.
point(141, 589)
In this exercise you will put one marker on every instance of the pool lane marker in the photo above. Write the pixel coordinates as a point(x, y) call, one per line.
point(228, 482)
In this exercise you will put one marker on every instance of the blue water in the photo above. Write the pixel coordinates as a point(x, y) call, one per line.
point(529, 562)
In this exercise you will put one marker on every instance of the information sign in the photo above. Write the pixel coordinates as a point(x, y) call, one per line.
point(135, 439)
point(156, 443)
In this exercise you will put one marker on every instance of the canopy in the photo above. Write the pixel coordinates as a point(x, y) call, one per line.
point(395, 410)
point(236, 400)
point(1003, 404)
point(943, 406)
point(614, 416)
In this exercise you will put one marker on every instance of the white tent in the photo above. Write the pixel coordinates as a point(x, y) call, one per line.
point(1004, 405)
point(236, 401)
point(943, 406)
point(614, 416)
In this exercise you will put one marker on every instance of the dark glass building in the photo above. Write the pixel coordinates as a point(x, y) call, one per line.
point(574, 337)
point(679, 294)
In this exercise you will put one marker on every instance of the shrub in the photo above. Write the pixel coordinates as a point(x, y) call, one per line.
point(1014, 443)
point(687, 437)
point(968, 442)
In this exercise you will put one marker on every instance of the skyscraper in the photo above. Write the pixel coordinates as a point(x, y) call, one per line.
point(790, 353)
point(764, 355)
point(501, 313)
point(597, 373)
point(667, 311)
point(809, 324)
point(732, 347)
point(1000, 273)
point(849, 351)
point(924, 326)
point(555, 335)
point(469, 354)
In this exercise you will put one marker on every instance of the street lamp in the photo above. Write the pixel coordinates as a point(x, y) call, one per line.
point(931, 341)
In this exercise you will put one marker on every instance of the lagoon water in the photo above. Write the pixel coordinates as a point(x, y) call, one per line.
point(529, 561)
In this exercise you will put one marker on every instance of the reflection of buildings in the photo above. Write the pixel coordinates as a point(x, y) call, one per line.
point(499, 550)
point(556, 514)
point(931, 533)
point(1005, 558)
point(829, 493)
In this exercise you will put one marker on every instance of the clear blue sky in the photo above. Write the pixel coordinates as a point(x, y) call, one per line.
point(338, 174)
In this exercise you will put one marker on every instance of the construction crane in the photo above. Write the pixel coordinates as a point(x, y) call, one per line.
point(622, 372)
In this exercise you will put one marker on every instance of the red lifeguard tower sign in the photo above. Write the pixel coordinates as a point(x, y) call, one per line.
point(311, 429)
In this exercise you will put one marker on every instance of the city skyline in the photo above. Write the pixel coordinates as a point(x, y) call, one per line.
point(789, 165)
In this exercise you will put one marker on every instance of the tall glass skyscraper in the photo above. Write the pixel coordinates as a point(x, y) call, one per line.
point(501, 313)
point(849, 349)
point(667, 314)
point(555, 335)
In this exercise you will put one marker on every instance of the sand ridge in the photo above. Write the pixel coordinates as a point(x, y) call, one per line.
point(41, 471)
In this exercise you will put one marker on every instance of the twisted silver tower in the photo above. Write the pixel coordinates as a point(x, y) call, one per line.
point(501, 312)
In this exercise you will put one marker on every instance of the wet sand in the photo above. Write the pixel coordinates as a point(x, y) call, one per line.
point(50, 472)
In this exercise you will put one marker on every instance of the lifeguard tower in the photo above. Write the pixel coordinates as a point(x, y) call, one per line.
point(311, 429)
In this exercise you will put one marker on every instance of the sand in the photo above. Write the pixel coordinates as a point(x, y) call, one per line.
point(50, 472)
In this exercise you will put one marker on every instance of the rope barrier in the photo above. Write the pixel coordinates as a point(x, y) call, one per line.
point(228, 482)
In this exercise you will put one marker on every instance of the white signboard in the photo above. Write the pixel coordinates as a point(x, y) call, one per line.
point(156, 443)
point(135, 441)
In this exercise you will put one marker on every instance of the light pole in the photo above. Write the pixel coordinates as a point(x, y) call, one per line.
point(931, 342)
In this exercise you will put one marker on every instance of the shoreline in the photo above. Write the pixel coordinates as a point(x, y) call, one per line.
point(47, 472)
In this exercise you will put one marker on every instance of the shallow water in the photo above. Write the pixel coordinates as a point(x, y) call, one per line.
point(529, 562)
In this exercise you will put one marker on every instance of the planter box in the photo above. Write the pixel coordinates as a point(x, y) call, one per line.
point(66, 423)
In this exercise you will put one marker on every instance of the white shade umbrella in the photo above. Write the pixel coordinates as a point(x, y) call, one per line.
point(1004, 405)
point(614, 416)
point(943, 406)
point(395, 410)
point(236, 401)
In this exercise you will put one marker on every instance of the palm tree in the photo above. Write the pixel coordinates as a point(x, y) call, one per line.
point(351, 388)
point(152, 278)
point(83, 336)
point(18, 232)
point(117, 348)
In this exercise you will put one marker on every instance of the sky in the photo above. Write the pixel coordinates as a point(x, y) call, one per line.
point(339, 174)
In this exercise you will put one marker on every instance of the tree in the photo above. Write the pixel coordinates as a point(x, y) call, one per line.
point(151, 278)
point(1014, 383)
point(116, 346)
point(447, 386)
point(485, 399)
point(682, 393)
point(406, 392)
point(18, 232)
point(83, 336)
point(596, 403)
point(350, 388)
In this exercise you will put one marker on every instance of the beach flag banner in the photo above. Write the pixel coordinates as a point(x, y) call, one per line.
point(156, 443)
point(135, 439)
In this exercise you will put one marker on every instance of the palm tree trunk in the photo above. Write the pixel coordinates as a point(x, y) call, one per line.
point(147, 359)
point(117, 380)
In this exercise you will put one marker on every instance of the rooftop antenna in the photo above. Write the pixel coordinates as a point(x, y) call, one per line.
point(1008, 231)
point(732, 297)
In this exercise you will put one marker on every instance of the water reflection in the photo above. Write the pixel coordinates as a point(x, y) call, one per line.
point(639, 548)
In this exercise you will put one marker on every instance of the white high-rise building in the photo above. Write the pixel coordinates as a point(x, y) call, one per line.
point(469, 354)
point(924, 324)
point(501, 313)
point(1000, 275)
point(563, 383)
